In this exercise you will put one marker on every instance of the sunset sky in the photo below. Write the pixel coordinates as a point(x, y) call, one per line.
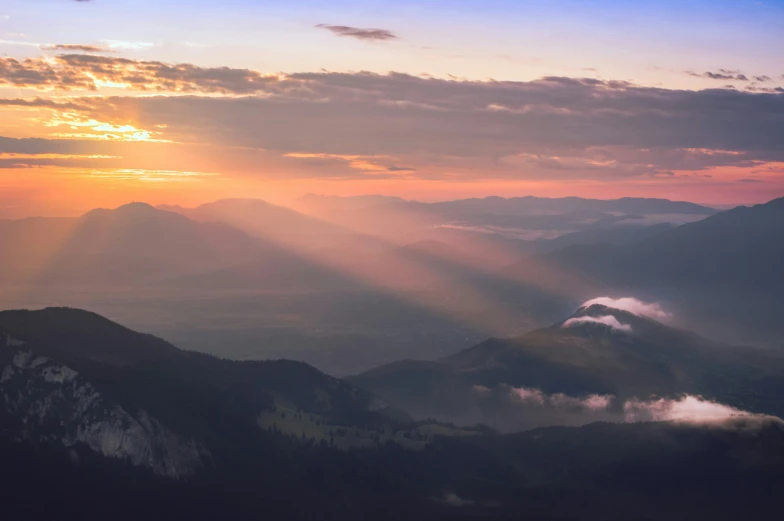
point(103, 102)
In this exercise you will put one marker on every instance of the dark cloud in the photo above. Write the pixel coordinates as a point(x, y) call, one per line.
point(721, 74)
point(393, 168)
point(368, 113)
point(85, 72)
point(553, 127)
point(360, 34)
point(770, 90)
point(42, 103)
point(76, 47)
point(751, 180)
point(763, 79)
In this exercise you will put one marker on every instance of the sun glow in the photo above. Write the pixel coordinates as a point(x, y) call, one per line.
point(101, 130)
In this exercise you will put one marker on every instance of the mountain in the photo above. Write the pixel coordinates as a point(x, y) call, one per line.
point(592, 366)
point(515, 225)
point(131, 244)
point(117, 377)
point(530, 205)
point(269, 222)
point(99, 422)
point(722, 273)
point(314, 202)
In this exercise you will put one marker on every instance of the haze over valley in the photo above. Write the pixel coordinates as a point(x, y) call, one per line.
point(249, 280)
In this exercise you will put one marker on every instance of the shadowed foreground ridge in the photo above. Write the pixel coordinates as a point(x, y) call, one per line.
point(103, 421)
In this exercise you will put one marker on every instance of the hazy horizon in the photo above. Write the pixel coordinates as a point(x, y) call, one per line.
point(98, 107)
point(9, 212)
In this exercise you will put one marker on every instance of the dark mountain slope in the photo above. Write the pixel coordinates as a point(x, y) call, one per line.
point(673, 471)
point(195, 396)
point(144, 431)
point(737, 249)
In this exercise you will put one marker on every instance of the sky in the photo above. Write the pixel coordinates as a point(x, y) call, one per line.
point(103, 102)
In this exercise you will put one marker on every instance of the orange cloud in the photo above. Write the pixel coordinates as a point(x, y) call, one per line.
point(83, 72)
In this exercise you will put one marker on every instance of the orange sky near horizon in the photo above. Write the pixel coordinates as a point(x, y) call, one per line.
point(105, 115)
point(56, 192)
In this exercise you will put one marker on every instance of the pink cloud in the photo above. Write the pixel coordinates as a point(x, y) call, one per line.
point(689, 409)
point(631, 305)
point(607, 320)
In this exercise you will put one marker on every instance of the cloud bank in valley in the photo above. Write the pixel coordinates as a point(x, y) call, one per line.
point(688, 409)
point(536, 397)
point(538, 408)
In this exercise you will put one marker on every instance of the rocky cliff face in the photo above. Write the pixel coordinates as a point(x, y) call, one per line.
point(48, 402)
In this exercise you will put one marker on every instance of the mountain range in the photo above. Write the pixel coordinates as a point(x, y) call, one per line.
point(101, 421)
point(248, 279)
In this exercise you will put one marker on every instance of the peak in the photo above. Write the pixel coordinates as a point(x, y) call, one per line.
point(597, 310)
point(53, 315)
point(136, 207)
point(78, 334)
point(126, 209)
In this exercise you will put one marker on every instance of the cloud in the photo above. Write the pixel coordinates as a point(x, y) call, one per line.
point(360, 34)
point(607, 320)
point(124, 45)
point(529, 396)
point(42, 103)
point(751, 180)
point(769, 90)
point(550, 128)
point(631, 305)
point(90, 72)
point(537, 398)
point(687, 409)
point(481, 390)
point(453, 500)
point(721, 74)
point(76, 47)
point(22, 160)
point(560, 409)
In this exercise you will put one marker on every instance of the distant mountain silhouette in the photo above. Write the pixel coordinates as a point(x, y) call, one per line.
point(131, 244)
point(522, 205)
point(268, 221)
point(521, 224)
